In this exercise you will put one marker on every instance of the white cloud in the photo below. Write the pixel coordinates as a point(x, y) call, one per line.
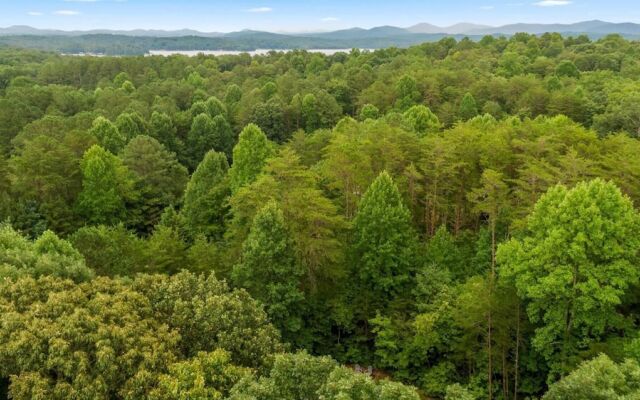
point(330, 19)
point(552, 3)
point(66, 13)
point(35, 13)
point(260, 10)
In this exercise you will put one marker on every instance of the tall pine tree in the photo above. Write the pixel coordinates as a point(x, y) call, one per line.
point(205, 199)
point(269, 269)
point(384, 245)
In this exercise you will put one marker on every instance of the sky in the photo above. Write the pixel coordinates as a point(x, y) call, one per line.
point(301, 15)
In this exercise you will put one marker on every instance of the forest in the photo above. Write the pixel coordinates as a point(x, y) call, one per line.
point(456, 220)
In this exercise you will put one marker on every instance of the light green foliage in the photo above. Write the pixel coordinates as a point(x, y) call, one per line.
point(457, 392)
point(346, 384)
point(269, 269)
point(249, 157)
point(422, 120)
point(207, 376)
point(205, 199)
point(573, 267)
point(209, 316)
point(369, 111)
point(108, 135)
point(107, 185)
point(292, 376)
point(599, 379)
point(152, 337)
point(48, 255)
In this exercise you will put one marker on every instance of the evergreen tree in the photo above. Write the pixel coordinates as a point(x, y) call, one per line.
point(205, 199)
point(107, 185)
point(468, 107)
point(269, 269)
point(383, 248)
point(249, 157)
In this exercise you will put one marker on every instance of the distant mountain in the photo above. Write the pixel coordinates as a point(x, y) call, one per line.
point(359, 33)
point(456, 29)
point(595, 27)
point(17, 30)
point(137, 42)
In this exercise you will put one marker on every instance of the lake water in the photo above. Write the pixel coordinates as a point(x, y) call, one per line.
point(259, 52)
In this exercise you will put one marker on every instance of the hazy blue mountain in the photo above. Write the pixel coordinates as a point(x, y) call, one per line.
point(456, 29)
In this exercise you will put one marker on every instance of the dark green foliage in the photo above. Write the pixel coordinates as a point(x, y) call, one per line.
point(270, 271)
point(205, 198)
point(384, 246)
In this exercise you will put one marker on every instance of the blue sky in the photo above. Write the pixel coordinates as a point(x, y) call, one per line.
point(301, 15)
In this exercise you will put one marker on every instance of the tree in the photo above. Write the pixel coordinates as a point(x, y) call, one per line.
point(490, 199)
point(46, 171)
point(164, 131)
point(249, 157)
point(599, 378)
point(207, 134)
point(269, 116)
point(205, 199)
point(383, 247)
point(108, 135)
point(573, 266)
point(312, 218)
point(207, 376)
point(130, 125)
point(46, 256)
point(156, 167)
point(407, 93)
point(568, 69)
point(369, 111)
point(422, 120)
point(107, 186)
point(468, 107)
point(270, 271)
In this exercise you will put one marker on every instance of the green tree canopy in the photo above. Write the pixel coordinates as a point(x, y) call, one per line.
point(573, 267)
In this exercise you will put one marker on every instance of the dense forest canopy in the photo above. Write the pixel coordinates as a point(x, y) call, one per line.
point(455, 220)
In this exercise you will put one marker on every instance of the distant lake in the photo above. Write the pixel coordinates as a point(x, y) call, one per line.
point(259, 52)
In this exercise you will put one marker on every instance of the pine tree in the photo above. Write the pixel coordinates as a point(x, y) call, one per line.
point(249, 157)
point(269, 269)
point(107, 185)
point(468, 107)
point(205, 203)
point(383, 248)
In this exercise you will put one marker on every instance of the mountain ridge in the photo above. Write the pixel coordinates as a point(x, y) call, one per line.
point(463, 28)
